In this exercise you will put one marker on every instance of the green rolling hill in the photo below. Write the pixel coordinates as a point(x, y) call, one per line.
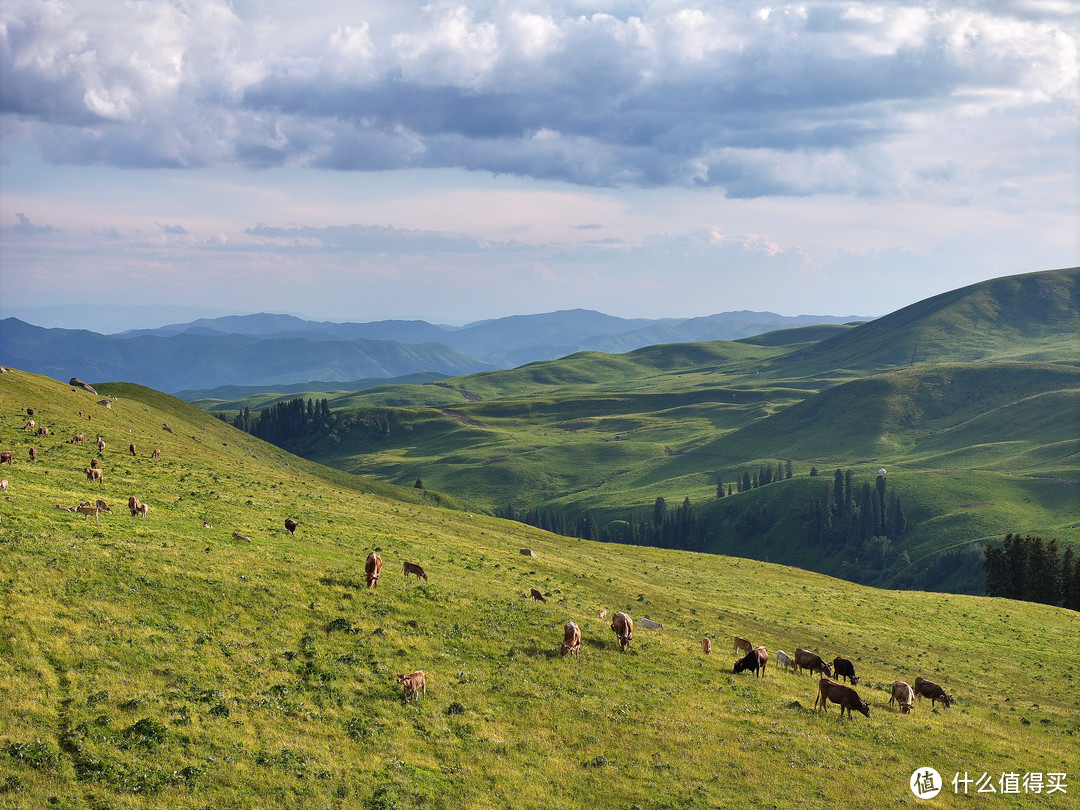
point(158, 662)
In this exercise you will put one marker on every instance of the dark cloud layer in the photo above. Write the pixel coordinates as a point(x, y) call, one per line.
point(818, 97)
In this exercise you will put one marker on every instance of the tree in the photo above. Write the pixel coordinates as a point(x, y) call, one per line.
point(419, 484)
point(659, 511)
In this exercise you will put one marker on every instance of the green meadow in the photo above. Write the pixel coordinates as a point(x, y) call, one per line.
point(159, 662)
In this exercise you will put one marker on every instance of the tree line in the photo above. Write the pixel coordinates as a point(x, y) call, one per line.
point(1033, 570)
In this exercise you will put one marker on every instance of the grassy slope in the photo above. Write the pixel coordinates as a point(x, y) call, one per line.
point(154, 663)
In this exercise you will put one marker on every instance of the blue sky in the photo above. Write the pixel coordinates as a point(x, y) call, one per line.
point(454, 161)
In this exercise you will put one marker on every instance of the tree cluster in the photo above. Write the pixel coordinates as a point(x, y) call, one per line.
point(840, 516)
point(1030, 569)
point(765, 474)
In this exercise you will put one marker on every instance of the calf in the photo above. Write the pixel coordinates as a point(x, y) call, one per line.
point(601, 614)
point(845, 668)
point(235, 535)
point(3, 485)
point(706, 645)
point(845, 696)
point(144, 508)
point(623, 626)
point(372, 569)
point(535, 594)
point(571, 639)
point(784, 660)
point(903, 696)
point(412, 684)
point(804, 659)
point(156, 453)
point(8, 456)
point(649, 624)
point(754, 660)
point(413, 568)
point(925, 688)
point(87, 510)
point(94, 475)
point(742, 645)
point(104, 507)
point(290, 525)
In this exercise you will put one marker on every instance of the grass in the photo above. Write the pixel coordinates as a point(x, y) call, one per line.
point(154, 663)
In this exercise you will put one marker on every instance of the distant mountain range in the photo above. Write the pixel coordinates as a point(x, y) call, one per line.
point(281, 350)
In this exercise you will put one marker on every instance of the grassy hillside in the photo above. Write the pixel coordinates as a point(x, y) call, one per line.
point(156, 662)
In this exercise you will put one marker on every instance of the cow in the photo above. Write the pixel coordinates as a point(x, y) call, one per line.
point(742, 646)
point(104, 507)
point(412, 684)
point(784, 660)
point(601, 614)
point(133, 505)
point(235, 535)
point(925, 688)
point(754, 660)
point(33, 454)
point(95, 464)
point(706, 645)
point(623, 626)
point(156, 453)
point(131, 447)
point(94, 475)
point(571, 639)
point(30, 425)
point(537, 595)
point(846, 697)
point(290, 525)
point(413, 568)
point(904, 696)
point(144, 508)
point(372, 569)
point(86, 511)
point(42, 431)
point(804, 659)
point(845, 668)
point(8, 456)
point(649, 624)
point(101, 445)
point(3, 485)
point(78, 438)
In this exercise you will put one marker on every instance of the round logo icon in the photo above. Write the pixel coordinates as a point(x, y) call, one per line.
point(925, 783)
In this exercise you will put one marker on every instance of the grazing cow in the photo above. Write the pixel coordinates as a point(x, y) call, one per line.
point(845, 696)
point(571, 639)
point(3, 485)
point(372, 569)
point(133, 505)
point(207, 525)
point(30, 425)
point(104, 507)
point(42, 431)
point(537, 595)
point(235, 535)
point(649, 624)
point(904, 696)
point(754, 660)
point(413, 568)
point(94, 464)
point(706, 645)
point(804, 659)
point(601, 614)
point(784, 660)
point(131, 447)
point(94, 475)
point(623, 626)
point(144, 508)
point(845, 668)
point(290, 524)
point(156, 453)
point(79, 438)
point(925, 688)
point(412, 684)
point(86, 511)
point(8, 456)
point(742, 646)
point(33, 454)
point(101, 445)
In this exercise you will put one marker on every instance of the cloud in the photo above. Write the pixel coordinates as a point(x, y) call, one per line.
point(813, 98)
point(173, 230)
point(371, 239)
point(24, 227)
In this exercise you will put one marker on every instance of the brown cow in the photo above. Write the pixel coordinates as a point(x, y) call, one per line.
point(372, 569)
point(845, 668)
point(101, 445)
point(94, 475)
point(601, 614)
point(8, 456)
point(925, 688)
point(30, 425)
point(131, 447)
point(804, 659)
point(571, 639)
point(706, 645)
point(845, 696)
point(144, 508)
point(156, 453)
point(94, 464)
point(904, 696)
point(413, 684)
point(104, 507)
point(623, 626)
point(4, 485)
point(79, 438)
point(133, 505)
point(236, 535)
point(413, 568)
point(754, 660)
point(290, 525)
point(86, 511)
point(537, 595)
point(33, 454)
point(742, 646)
point(42, 431)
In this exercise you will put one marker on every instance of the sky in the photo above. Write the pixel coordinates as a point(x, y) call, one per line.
point(362, 160)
